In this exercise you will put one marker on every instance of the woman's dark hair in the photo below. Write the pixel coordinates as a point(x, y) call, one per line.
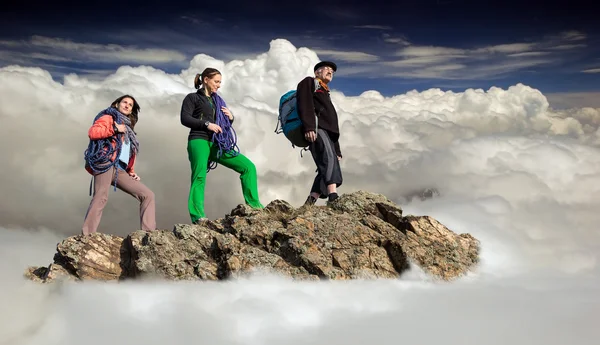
point(207, 73)
point(133, 117)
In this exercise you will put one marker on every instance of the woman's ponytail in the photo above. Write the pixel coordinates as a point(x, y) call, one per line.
point(197, 81)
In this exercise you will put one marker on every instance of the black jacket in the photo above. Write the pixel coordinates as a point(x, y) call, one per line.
point(310, 103)
point(196, 110)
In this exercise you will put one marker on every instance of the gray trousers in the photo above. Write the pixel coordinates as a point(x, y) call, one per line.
point(126, 183)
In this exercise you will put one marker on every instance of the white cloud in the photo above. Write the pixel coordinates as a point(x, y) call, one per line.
point(567, 46)
point(528, 54)
point(444, 67)
point(349, 56)
point(572, 35)
point(568, 100)
point(507, 48)
point(427, 51)
point(194, 20)
point(48, 57)
point(506, 67)
point(401, 40)
point(419, 61)
point(563, 41)
point(375, 27)
point(8, 43)
point(59, 49)
point(447, 67)
point(512, 171)
point(592, 70)
point(453, 63)
point(110, 52)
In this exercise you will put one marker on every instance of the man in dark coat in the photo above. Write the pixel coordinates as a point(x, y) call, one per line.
point(321, 129)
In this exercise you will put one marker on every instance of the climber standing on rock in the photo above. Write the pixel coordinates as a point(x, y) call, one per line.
point(213, 140)
point(320, 121)
point(110, 158)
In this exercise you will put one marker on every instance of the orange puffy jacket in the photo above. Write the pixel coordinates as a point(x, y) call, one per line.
point(101, 129)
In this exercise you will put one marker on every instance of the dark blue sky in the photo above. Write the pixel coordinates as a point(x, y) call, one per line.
point(392, 47)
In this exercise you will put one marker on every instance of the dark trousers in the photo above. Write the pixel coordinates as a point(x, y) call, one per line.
point(328, 166)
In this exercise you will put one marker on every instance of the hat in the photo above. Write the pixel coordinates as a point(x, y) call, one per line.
point(326, 63)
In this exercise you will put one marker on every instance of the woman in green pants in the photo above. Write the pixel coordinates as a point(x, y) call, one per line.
point(212, 140)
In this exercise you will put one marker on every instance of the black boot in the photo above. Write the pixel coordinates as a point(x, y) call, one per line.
point(311, 200)
point(332, 197)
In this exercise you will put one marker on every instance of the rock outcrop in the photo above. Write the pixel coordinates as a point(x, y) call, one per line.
point(360, 235)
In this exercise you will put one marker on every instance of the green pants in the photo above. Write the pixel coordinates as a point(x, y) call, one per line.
point(199, 152)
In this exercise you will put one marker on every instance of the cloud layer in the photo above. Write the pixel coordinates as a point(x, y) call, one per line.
point(510, 170)
point(389, 133)
point(414, 60)
point(388, 54)
point(59, 54)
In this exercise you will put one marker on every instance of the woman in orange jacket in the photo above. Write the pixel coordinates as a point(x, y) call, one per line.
point(110, 158)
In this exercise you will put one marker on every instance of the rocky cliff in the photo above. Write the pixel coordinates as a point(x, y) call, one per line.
point(361, 235)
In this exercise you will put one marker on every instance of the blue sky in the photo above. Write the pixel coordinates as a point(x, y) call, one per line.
point(391, 47)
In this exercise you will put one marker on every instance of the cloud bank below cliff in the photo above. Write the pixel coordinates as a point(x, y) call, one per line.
point(512, 171)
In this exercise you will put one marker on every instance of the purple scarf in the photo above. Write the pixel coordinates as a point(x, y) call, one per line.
point(226, 141)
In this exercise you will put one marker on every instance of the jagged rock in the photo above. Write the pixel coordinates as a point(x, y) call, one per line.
point(93, 257)
point(96, 257)
point(180, 254)
point(48, 274)
point(280, 206)
point(361, 202)
point(437, 249)
point(197, 252)
point(360, 235)
point(328, 244)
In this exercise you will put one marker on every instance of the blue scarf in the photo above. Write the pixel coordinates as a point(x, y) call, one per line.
point(99, 152)
point(226, 141)
point(122, 119)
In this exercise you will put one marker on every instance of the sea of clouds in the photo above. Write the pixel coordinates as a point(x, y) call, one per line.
point(510, 170)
